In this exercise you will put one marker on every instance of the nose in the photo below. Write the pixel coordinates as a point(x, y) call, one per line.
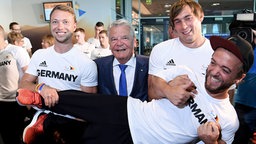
point(215, 70)
point(119, 41)
point(184, 24)
point(60, 25)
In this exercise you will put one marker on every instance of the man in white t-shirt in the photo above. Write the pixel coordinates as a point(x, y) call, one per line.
point(13, 63)
point(209, 116)
point(81, 44)
point(190, 48)
point(99, 26)
point(15, 27)
point(103, 50)
point(59, 67)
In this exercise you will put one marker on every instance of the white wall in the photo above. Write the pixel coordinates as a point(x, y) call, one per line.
point(29, 13)
point(5, 13)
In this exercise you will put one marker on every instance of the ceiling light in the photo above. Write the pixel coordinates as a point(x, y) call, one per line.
point(215, 4)
point(167, 5)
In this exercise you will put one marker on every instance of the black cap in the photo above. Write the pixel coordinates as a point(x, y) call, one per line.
point(241, 48)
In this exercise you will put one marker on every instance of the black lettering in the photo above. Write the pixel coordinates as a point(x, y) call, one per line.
point(197, 111)
point(74, 77)
point(194, 110)
point(57, 75)
point(61, 76)
point(8, 62)
point(48, 73)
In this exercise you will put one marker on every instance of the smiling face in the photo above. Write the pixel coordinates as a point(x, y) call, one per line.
point(187, 26)
point(121, 43)
point(223, 71)
point(62, 26)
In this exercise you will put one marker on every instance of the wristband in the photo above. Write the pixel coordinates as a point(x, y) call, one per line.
point(39, 87)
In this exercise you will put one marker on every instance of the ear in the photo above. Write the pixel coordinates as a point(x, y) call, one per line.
point(240, 79)
point(75, 26)
point(134, 41)
point(201, 17)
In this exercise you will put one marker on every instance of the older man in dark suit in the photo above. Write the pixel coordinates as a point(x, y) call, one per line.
point(122, 43)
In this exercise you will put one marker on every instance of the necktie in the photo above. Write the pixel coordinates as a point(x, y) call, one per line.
point(122, 81)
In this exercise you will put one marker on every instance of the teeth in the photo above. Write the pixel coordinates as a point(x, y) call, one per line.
point(214, 79)
point(187, 32)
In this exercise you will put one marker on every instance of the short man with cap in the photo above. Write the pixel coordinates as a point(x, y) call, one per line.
point(209, 116)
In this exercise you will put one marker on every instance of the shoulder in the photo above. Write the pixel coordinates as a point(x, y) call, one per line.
point(12, 47)
point(104, 60)
point(142, 58)
point(161, 47)
point(208, 44)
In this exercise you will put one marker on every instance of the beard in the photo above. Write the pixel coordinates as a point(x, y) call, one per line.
point(64, 39)
point(219, 89)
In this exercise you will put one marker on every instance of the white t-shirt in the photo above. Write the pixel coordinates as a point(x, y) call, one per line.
point(159, 121)
point(100, 52)
point(94, 41)
point(64, 71)
point(27, 44)
point(172, 52)
point(86, 48)
point(12, 60)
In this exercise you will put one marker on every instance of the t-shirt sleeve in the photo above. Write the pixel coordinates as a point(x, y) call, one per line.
point(154, 61)
point(22, 57)
point(90, 75)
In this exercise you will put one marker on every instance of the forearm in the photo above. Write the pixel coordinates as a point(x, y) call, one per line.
point(28, 82)
point(89, 89)
point(156, 87)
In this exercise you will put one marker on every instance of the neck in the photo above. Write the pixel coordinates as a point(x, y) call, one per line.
point(105, 45)
point(81, 43)
point(63, 47)
point(3, 45)
point(221, 95)
point(195, 44)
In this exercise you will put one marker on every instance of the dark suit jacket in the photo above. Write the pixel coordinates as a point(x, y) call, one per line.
point(106, 84)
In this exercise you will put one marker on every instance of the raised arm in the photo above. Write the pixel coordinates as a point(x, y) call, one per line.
point(178, 90)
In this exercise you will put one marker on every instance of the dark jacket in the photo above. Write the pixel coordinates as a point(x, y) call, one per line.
point(106, 84)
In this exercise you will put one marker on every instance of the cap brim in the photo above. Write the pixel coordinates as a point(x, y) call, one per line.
point(218, 42)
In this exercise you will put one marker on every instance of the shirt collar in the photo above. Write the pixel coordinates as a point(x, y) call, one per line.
point(130, 63)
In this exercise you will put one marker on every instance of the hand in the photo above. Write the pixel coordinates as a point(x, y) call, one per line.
point(181, 89)
point(209, 132)
point(50, 96)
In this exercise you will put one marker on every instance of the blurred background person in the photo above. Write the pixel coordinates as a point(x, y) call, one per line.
point(245, 105)
point(99, 26)
point(15, 27)
point(103, 50)
point(13, 63)
point(47, 41)
point(81, 44)
point(15, 39)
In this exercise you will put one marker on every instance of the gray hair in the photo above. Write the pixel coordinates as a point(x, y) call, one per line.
point(122, 22)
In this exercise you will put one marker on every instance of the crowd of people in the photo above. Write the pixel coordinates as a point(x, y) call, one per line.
point(102, 91)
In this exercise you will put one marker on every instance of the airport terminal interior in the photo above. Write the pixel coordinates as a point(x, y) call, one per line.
point(151, 18)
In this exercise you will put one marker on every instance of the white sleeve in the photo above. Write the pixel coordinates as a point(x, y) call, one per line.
point(32, 68)
point(170, 74)
point(22, 57)
point(27, 43)
point(155, 61)
point(90, 75)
